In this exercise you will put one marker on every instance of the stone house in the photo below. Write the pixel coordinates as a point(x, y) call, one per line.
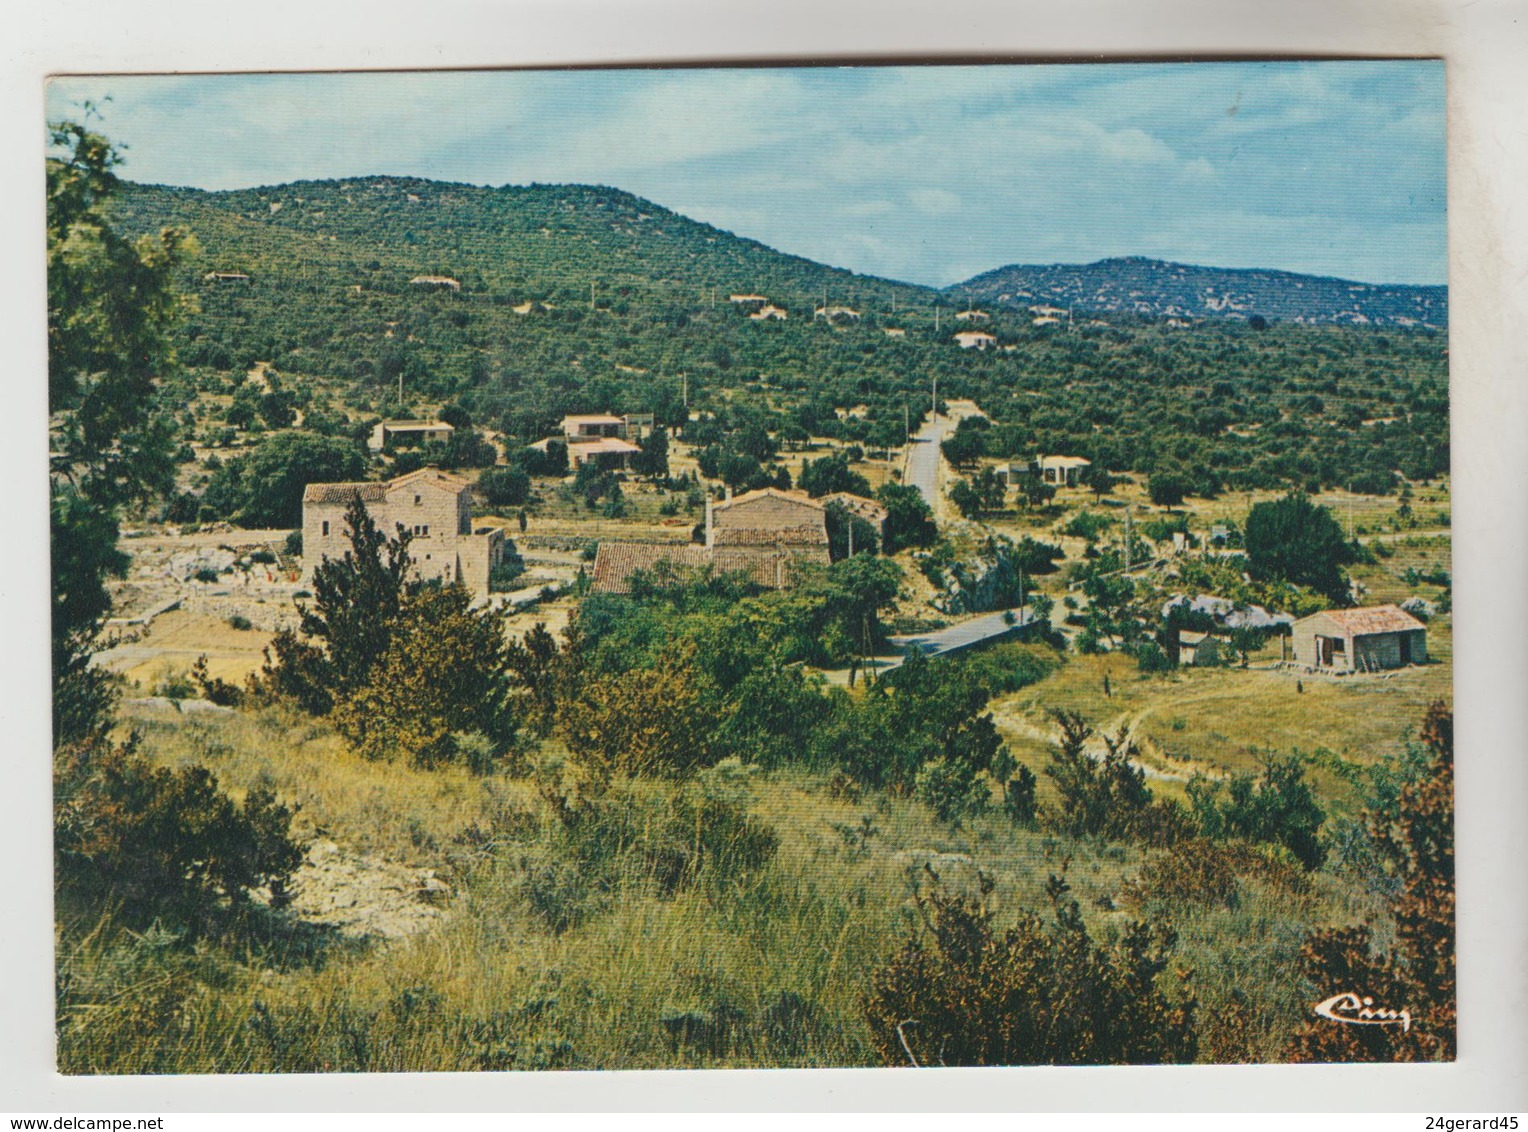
point(767, 535)
point(975, 339)
point(435, 507)
point(388, 435)
point(1359, 640)
point(1063, 471)
point(768, 517)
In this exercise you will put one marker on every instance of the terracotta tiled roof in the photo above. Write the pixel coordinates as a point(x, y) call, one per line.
point(377, 492)
point(770, 567)
point(601, 446)
point(343, 492)
point(616, 562)
point(767, 493)
point(811, 534)
point(1374, 619)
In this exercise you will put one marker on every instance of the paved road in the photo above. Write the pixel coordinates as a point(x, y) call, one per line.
point(923, 459)
point(967, 633)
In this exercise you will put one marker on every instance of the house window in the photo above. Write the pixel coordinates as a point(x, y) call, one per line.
point(326, 527)
point(418, 499)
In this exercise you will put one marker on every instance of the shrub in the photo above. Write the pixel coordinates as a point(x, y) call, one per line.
point(1278, 808)
point(1108, 796)
point(647, 721)
point(1198, 871)
point(953, 790)
point(1037, 994)
point(162, 843)
point(1412, 831)
point(239, 621)
point(213, 689)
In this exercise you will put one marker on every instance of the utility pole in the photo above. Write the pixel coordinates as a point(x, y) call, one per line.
point(907, 423)
point(1127, 538)
point(936, 318)
point(685, 379)
point(935, 407)
point(400, 392)
point(591, 294)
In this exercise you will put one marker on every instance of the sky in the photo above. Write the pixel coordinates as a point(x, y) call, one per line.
point(927, 174)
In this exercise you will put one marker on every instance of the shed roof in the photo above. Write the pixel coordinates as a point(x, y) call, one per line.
point(1370, 620)
point(615, 562)
point(592, 418)
point(768, 493)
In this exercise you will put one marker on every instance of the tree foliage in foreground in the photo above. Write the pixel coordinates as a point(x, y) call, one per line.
point(1414, 836)
point(405, 667)
point(112, 304)
point(1039, 993)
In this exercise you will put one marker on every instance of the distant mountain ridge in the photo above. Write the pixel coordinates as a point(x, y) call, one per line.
point(1153, 288)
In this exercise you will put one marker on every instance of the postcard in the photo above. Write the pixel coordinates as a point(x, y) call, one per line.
point(782, 567)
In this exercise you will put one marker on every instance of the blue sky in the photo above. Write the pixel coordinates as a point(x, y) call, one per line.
point(927, 174)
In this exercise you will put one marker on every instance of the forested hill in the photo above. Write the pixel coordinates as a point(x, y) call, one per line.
point(547, 243)
point(1154, 288)
point(569, 299)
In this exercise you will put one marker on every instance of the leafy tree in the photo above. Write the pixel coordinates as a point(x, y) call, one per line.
point(1099, 480)
point(1278, 808)
point(505, 487)
point(1106, 796)
point(1035, 491)
point(831, 474)
point(442, 677)
point(277, 407)
point(1246, 640)
point(1297, 541)
point(964, 447)
point(264, 489)
point(356, 604)
point(112, 306)
point(1168, 489)
point(653, 460)
point(1040, 993)
point(536, 664)
point(1413, 832)
point(841, 523)
point(967, 499)
point(909, 522)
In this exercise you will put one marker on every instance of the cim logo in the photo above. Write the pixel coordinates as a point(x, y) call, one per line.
point(1353, 1010)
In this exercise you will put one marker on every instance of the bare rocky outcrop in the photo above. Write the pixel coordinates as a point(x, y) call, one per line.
point(365, 897)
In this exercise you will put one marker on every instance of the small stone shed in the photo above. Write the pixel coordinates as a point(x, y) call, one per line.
point(1197, 650)
point(1371, 639)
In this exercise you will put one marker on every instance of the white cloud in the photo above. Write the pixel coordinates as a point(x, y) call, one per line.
point(934, 202)
point(919, 172)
